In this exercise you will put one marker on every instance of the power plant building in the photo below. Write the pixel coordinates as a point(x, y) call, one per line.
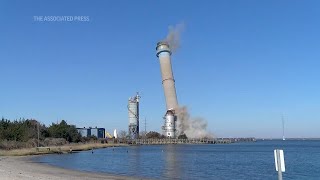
point(88, 132)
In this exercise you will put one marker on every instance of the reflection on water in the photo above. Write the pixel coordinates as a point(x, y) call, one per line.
point(172, 166)
point(232, 161)
point(135, 158)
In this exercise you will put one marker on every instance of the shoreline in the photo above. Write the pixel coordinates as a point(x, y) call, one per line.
point(68, 148)
point(18, 164)
point(24, 168)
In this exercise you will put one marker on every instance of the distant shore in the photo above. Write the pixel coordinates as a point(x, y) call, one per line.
point(68, 148)
point(23, 168)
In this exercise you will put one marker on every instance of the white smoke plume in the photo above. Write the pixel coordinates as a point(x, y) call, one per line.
point(192, 127)
point(173, 37)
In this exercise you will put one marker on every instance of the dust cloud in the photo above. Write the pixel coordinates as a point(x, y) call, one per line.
point(192, 127)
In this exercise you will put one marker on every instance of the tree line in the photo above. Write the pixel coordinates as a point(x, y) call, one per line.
point(25, 133)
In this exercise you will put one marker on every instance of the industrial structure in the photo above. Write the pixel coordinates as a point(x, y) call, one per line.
point(88, 132)
point(170, 117)
point(133, 114)
point(108, 135)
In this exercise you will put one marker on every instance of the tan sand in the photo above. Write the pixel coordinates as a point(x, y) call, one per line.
point(22, 168)
point(56, 149)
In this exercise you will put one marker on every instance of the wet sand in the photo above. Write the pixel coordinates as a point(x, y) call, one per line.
point(23, 168)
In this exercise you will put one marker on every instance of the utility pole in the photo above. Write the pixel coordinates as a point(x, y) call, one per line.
point(145, 125)
point(38, 124)
point(283, 138)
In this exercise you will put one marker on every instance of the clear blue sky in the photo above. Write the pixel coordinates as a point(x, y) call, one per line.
point(241, 64)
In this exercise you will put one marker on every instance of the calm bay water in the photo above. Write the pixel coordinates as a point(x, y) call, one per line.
point(225, 161)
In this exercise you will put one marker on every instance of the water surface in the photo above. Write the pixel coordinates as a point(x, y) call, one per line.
point(241, 161)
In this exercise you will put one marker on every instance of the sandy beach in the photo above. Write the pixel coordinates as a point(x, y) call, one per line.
point(23, 168)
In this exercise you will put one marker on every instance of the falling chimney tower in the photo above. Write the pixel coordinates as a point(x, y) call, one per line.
point(164, 55)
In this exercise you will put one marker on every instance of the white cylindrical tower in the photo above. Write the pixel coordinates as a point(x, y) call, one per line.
point(170, 118)
point(169, 127)
point(133, 114)
point(115, 134)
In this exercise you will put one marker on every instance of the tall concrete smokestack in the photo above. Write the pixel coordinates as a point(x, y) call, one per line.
point(164, 55)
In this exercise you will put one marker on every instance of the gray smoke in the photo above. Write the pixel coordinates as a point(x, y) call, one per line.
point(173, 37)
point(192, 127)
